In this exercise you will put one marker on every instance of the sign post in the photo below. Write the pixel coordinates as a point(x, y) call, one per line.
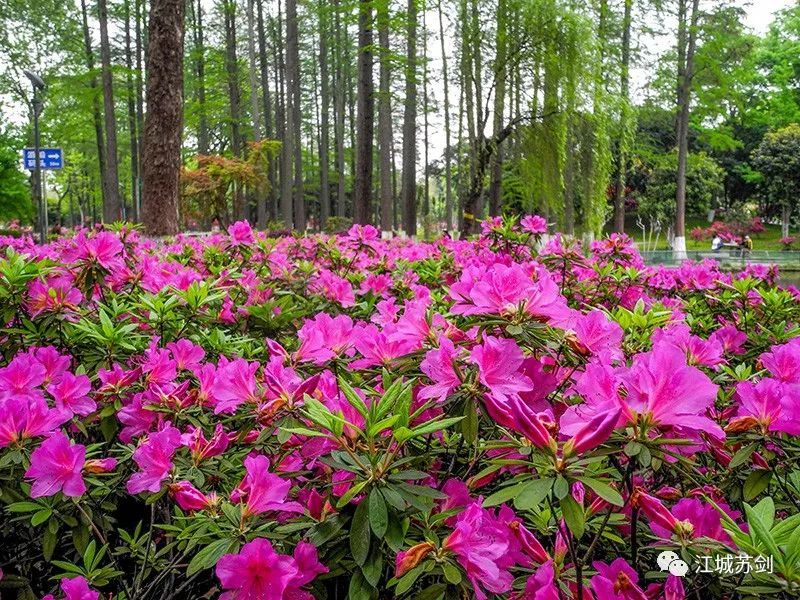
point(49, 158)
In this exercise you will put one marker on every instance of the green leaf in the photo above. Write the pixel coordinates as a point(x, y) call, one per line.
point(378, 515)
point(350, 494)
point(41, 516)
point(573, 515)
point(353, 398)
point(605, 491)
point(359, 533)
point(760, 533)
point(408, 580)
point(373, 568)
point(359, 589)
point(533, 493)
point(742, 455)
point(208, 556)
point(756, 483)
point(504, 494)
point(22, 507)
point(451, 573)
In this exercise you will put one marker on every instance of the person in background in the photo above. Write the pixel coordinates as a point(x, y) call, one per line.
point(747, 245)
point(716, 243)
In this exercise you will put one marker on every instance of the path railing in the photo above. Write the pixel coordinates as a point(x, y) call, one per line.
point(728, 258)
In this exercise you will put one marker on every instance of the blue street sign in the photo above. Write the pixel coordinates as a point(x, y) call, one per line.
point(49, 158)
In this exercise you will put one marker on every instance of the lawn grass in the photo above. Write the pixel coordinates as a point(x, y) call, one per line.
point(766, 240)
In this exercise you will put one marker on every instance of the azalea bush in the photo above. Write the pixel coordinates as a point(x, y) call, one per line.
point(251, 417)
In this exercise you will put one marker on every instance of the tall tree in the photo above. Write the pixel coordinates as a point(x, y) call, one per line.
point(500, 74)
point(625, 129)
point(385, 147)
point(232, 72)
point(200, 74)
point(324, 125)
point(132, 130)
point(362, 200)
point(112, 206)
point(293, 114)
point(448, 176)
point(339, 111)
point(687, 39)
point(266, 97)
point(410, 125)
point(164, 119)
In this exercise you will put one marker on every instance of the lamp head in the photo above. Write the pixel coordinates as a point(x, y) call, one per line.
point(37, 81)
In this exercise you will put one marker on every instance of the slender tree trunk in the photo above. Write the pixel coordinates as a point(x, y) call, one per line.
point(410, 126)
point(232, 72)
point(685, 75)
point(324, 126)
point(112, 207)
point(622, 145)
point(163, 122)
point(281, 123)
point(500, 74)
point(448, 175)
point(200, 71)
point(339, 114)
point(255, 109)
point(426, 182)
point(96, 111)
point(141, 26)
point(134, 149)
point(266, 97)
point(362, 206)
point(385, 118)
point(293, 124)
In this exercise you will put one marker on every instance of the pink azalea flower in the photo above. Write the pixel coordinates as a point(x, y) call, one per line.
point(154, 457)
point(55, 364)
point(541, 585)
point(21, 378)
point(480, 543)
point(100, 465)
point(234, 384)
point(772, 405)
point(324, 338)
point(186, 354)
point(595, 331)
point(71, 393)
point(617, 581)
point(24, 418)
point(56, 295)
point(76, 588)
point(263, 491)
point(698, 351)
point(241, 233)
point(593, 433)
point(731, 339)
point(378, 347)
point(188, 497)
point(534, 224)
point(334, 288)
point(783, 361)
point(257, 572)
point(499, 361)
point(438, 365)
point(201, 448)
point(705, 520)
point(104, 249)
point(56, 466)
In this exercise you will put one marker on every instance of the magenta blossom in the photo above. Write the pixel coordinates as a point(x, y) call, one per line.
point(76, 588)
point(56, 466)
point(617, 581)
point(241, 233)
point(783, 361)
point(71, 393)
point(499, 361)
point(154, 458)
point(234, 384)
point(439, 366)
point(262, 491)
point(534, 224)
point(769, 404)
point(24, 418)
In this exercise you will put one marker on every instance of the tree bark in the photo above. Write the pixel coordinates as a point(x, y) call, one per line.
point(324, 126)
point(200, 71)
point(257, 190)
point(448, 175)
point(112, 207)
point(134, 148)
point(271, 212)
point(385, 148)
point(362, 203)
point(685, 74)
point(339, 114)
point(232, 72)
point(500, 72)
point(622, 146)
point(410, 126)
point(163, 121)
point(96, 111)
point(293, 132)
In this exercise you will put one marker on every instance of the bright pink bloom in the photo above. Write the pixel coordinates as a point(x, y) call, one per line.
point(379, 347)
point(528, 423)
point(241, 233)
point(541, 585)
point(23, 418)
point(698, 351)
point(257, 572)
point(534, 224)
point(234, 384)
point(324, 338)
point(499, 361)
point(188, 497)
point(783, 361)
point(438, 365)
point(480, 543)
point(200, 447)
point(617, 581)
point(705, 520)
point(731, 339)
point(598, 333)
point(263, 491)
point(593, 433)
point(56, 466)
point(100, 465)
point(71, 393)
point(334, 288)
point(154, 458)
point(104, 249)
point(55, 295)
point(76, 588)
point(21, 378)
point(774, 406)
point(187, 354)
point(658, 514)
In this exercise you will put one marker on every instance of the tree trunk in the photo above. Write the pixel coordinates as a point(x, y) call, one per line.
point(258, 189)
point(385, 118)
point(362, 203)
point(163, 122)
point(685, 75)
point(500, 72)
point(448, 175)
point(134, 148)
point(324, 126)
point(141, 27)
point(112, 207)
point(200, 71)
point(426, 183)
point(282, 124)
point(622, 145)
point(96, 111)
point(293, 111)
point(271, 212)
point(232, 72)
point(339, 110)
point(410, 126)
point(786, 215)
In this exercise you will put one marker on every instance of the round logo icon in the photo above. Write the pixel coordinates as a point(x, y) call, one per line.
point(670, 561)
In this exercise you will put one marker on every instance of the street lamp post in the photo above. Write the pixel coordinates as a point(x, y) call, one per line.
point(36, 103)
